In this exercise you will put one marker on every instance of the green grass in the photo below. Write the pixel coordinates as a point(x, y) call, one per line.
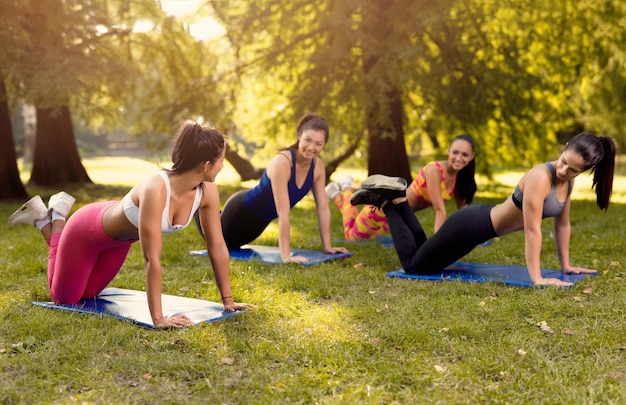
point(337, 333)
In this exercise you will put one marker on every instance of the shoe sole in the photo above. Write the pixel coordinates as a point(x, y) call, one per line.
point(25, 207)
point(379, 181)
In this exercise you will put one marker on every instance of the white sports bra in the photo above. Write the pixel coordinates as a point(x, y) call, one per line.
point(132, 211)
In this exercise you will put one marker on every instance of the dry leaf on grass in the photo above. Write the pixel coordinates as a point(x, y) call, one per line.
point(544, 327)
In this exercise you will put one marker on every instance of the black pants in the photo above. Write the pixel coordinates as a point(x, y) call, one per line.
point(460, 233)
point(238, 226)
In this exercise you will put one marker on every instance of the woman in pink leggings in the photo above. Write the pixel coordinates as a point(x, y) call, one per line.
point(87, 252)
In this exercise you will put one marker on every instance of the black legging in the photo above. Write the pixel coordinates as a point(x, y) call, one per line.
point(238, 226)
point(460, 233)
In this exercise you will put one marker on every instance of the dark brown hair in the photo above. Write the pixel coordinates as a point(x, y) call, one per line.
point(195, 144)
point(465, 187)
point(598, 152)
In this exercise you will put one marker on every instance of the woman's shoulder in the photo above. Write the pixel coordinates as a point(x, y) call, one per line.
point(153, 183)
point(539, 175)
point(282, 158)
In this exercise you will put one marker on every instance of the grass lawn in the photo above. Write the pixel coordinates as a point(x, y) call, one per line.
point(337, 333)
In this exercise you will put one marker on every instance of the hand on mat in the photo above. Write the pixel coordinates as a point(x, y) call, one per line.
point(179, 321)
point(296, 259)
point(579, 270)
point(335, 250)
point(553, 281)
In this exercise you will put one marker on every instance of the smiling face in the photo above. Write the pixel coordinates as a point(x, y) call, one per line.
point(311, 142)
point(569, 165)
point(460, 153)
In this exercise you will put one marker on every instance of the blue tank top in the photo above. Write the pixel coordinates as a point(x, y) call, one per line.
point(259, 201)
point(551, 205)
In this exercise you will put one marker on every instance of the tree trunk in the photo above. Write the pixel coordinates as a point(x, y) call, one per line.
point(244, 168)
point(11, 187)
point(386, 148)
point(383, 106)
point(56, 161)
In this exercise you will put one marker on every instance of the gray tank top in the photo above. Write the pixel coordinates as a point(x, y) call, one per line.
point(551, 205)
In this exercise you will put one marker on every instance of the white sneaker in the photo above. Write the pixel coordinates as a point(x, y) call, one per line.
point(332, 189)
point(29, 213)
point(61, 202)
point(345, 182)
point(380, 181)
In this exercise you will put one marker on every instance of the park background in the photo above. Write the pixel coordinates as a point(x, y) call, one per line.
point(85, 82)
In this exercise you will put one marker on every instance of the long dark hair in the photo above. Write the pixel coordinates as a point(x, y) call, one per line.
point(310, 121)
point(465, 187)
point(195, 144)
point(598, 152)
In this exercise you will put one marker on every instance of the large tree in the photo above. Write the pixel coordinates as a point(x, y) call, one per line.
point(11, 187)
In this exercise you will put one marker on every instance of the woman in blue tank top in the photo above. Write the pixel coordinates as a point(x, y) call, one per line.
point(289, 177)
point(544, 191)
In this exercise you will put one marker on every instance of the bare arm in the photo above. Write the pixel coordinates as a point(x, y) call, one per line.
point(562, 233)
point(279, 172)
point(433, 185)
point(216, 247)
point(151, 198)
point(536, 186)
point(323, 210)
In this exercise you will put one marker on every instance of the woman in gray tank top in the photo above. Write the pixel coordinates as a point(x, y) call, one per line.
point(544, 191)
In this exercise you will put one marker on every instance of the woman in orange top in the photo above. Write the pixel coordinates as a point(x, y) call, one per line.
point(436, 183)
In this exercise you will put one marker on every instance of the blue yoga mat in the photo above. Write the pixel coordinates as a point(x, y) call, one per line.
point(482, 273)
point(387, 241)
point(132, 305)
point(384, 240)
point(271, 254)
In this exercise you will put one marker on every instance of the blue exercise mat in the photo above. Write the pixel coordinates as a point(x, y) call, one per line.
point(482, 273)
point(384, 240)
point(387, 241)
point(271, 254)
point(132, 305)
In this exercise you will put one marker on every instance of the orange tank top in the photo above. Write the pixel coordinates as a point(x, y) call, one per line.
point(420, 189)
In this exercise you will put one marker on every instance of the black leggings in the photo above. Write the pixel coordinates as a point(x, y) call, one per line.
point(460, 233)
point(238, 226)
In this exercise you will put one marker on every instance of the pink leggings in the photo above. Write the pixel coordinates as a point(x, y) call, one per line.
point(83, 259)
point(366, 224)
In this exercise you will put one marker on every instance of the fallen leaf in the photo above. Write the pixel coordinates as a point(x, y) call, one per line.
point(577, 298)
point(587, 290)
point(568, 332)
point(147, 376)
point(544, 327)
point(228, 360)
point(521, 352)
point(444, 329)
point(615, 263)
point(358, 266)
point(439, 369)
point(372, 292)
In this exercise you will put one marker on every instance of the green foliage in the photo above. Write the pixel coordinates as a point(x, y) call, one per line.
point(336, 333)
point(519, 75)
